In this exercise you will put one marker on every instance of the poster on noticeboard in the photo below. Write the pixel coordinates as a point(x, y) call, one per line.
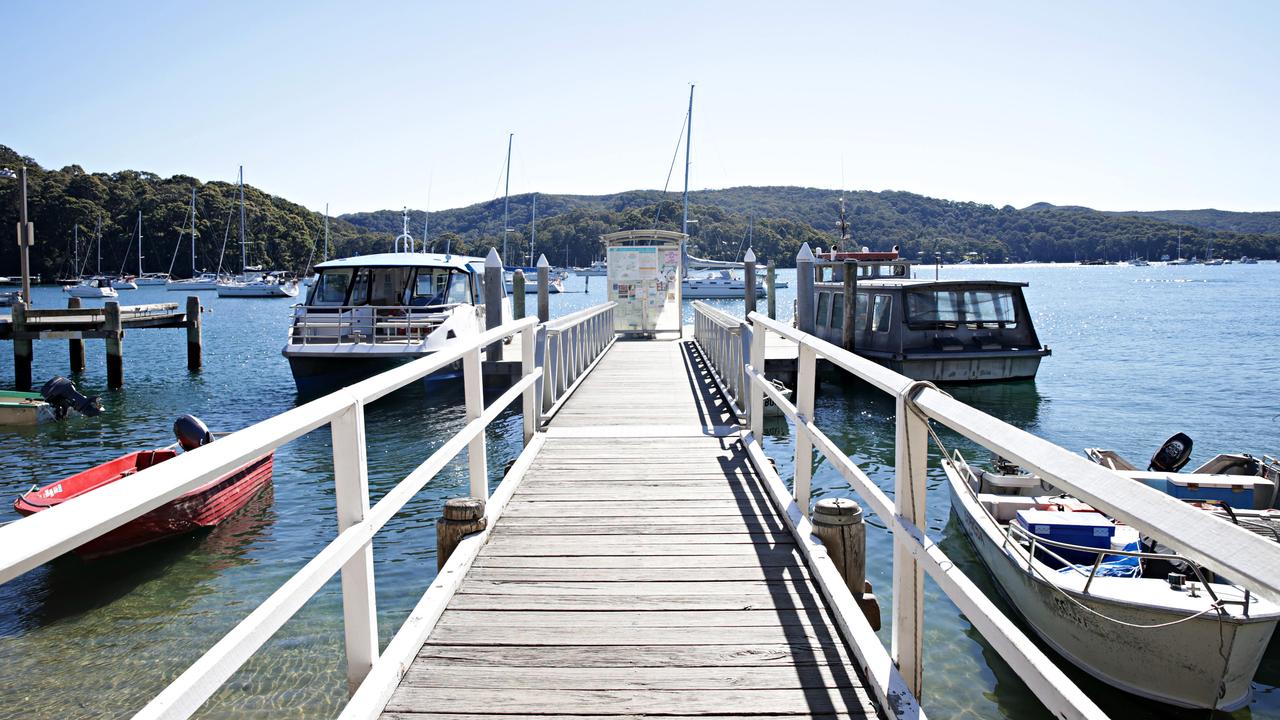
point(641, 282)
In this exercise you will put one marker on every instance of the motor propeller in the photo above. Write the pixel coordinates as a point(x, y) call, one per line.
point(61, 393)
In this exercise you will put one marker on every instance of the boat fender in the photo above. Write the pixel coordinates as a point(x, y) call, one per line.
point(191, 432)
point(1172, 455)
point(61, 393)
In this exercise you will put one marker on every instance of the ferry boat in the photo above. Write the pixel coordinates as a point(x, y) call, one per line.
point(204, 506)
point(94, 287)
point(364, 314)
point(718, 284)
point(1149, 623)
point(936, 330)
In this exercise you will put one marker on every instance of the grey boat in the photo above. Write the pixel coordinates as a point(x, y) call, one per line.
point(953, 331)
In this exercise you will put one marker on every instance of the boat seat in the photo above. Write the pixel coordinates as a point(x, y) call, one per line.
point(1004, 508)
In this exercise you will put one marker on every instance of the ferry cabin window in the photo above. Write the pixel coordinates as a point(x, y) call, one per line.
point(439, 286)
point(824, 306)
point(860, 311)
point(953, 308)
point(388, 285)
point(882, 313)
point(837, 311)
point(360, 288)
point(459, 289)
point(331, 287)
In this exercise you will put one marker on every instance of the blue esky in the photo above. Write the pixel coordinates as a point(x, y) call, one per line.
point(1114, 105)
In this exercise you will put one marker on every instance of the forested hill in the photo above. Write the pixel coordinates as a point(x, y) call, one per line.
point(784, 217)
point(1266, 223)
point(278, 233)
point(282, 234)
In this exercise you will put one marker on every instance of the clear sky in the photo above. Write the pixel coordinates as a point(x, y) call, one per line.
point(1114, 105)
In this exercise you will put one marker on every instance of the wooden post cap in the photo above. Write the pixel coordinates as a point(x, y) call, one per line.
point(837, 511)
point(463, 509)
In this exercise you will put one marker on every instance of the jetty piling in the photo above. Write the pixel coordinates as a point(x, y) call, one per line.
point(493, 284)
point(22, 347)
point(517, 294)
point(544, 282)
point(75, 345)
point(749, 277)
point(770, 283)
point(850, 279)
point(838, 522)
point(804, 290)
point(115, 346)
point(195, 353)
point(460, 517)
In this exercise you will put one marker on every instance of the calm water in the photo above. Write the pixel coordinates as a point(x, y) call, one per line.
point(1139, 353)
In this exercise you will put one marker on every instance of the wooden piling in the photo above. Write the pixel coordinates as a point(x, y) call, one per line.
point(770, 286)
point(22, 347)
point(517, 294)
point(850, 271)
point(804, 290)
point(544, 285)
point(195, 353)
point(749, 280)
point(838, 523)
point(460, 517)
point(75, 345)
point(493, 285)
point(115, 346)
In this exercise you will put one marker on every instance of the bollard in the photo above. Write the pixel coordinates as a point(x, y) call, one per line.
point(544, 282)
point(22, 348)
point(517, 294)
point(838, 523)
point(804, 319)
point(460, 517)
point(115, 347)
point(493, 284)
point(770, 281)
point(75, 346)
point(749, 280)
point(195, 353)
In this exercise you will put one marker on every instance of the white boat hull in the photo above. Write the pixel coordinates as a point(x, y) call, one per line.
point(82, 291)
point(124, 285)
point(258, 290)
point(699, 291)
point(150, 281)
point(1200, 663)
point(181, 285)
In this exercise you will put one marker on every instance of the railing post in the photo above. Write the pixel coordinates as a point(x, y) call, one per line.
point(351, 494)
point(493, 285)
point(531, 408)
point(749, 279)
point(911, 464)
point(806, 379)
point(473, 391)
point(550, 364)
point(759, 334)
point(804, 290)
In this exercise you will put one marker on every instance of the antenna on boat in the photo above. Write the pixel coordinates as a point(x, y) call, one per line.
point(405, 238)
point(533, 227)
point(325, 255)
point(244, 252)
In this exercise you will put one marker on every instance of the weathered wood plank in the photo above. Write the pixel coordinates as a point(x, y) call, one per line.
point(793, 572)
point(781, 557)
point(637, 618)
point(569, 601)
point(653, 702)
point(764, 587)
point(817, 639)
point(660, 678)
point(648, 656)
point(429, 715)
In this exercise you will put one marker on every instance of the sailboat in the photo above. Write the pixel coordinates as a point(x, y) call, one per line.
point(198, 280)
point(146, 278)
point(324, 254)
point(251, 282)
point(98, 286)
point(555, 284)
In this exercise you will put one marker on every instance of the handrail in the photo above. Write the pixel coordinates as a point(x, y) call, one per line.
point(573, 343)
point(1252, 561)
point(720, 335)
point(31, 541)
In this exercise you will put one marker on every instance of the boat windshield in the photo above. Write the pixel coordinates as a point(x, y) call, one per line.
point(331, 287)
point(441, 286)
point(952, 308)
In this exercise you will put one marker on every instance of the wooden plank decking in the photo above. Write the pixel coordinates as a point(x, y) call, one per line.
point(638, 570)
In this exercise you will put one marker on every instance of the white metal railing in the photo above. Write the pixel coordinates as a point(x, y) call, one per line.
point(31, 541)
point(720, 335)
point(572, 344)
point(366, 324)
point(1195, 535)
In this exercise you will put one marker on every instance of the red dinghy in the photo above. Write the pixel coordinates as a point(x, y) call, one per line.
point(202, 507)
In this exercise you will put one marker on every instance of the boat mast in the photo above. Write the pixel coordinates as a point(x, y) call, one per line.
point(193, 232)
point(99, 244)
point(684, 224)
point(506, 201)
point(326, 231)
point(244, 252)
point(75, 267)
point(533, 228)
point(139, 243)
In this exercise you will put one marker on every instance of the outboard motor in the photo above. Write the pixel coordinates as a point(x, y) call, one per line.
point(61, 393)
point(191, 432)
point(1172, 455)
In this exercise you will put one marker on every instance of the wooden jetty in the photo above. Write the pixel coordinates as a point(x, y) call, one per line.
point(76, 324)
point(638, 569)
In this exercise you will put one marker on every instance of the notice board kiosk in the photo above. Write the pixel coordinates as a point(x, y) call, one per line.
point(644, 280)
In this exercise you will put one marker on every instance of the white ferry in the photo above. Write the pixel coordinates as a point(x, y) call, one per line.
point(364, 314)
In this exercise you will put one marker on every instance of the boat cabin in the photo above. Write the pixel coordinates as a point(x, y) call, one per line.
point(941, 331)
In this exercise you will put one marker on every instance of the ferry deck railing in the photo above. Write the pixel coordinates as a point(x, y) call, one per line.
point(365, 324)
point(896, 674)
point(31, 541)
point(573, 343)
